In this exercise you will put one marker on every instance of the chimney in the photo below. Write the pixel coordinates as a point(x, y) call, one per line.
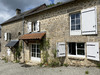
point(18, 11)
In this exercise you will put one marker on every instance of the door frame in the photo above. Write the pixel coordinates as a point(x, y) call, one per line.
point(37, 59)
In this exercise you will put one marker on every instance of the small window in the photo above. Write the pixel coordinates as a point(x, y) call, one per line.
point(75, 21)
point(76, 49)
point(34, 26)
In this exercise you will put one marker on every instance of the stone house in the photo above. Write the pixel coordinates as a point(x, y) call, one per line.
point(72, 29)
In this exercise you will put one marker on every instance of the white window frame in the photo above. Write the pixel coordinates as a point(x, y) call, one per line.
point(36, 50)
point(75, 32)
point(83, 56)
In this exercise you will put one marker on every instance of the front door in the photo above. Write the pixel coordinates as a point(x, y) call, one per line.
point(35, 52)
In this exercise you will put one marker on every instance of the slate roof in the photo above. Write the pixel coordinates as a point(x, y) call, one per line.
point(33, 11)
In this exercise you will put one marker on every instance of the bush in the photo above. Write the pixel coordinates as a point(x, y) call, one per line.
point(98, 65)
point(54, 64)
point(66, 65)
point(5, 59)
point(86, 72)
point(41, 64)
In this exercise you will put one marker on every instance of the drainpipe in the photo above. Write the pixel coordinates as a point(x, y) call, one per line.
point(23, 41)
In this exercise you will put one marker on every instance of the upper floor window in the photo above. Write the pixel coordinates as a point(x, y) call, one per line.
point(33, 26)
point(75, 21)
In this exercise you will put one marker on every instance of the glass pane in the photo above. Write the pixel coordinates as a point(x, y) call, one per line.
point(73, 16)
point(33, 46)
point(80, 45)
point(38, 50)
point(77, 27)
point(72, 27)
point(77, 21)
point(72, 22)
point(34, 50)
point(72, 48)
point(78, 15)
point(38, 55)
point(38, 46)
point(34, 54)
point(80, 52)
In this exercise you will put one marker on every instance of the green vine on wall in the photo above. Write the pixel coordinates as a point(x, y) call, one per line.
point(44, 47)
point(18, 51)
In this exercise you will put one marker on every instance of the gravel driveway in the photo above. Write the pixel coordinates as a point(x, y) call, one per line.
point(18, 69)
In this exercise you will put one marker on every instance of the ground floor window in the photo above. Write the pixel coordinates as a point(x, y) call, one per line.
point(35, 51)
point(76, 49)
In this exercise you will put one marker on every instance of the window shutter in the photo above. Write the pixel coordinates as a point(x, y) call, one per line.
point(29, 27)
point(93, 51)
point(38, 26)
point(5, 36)
point(89, 21)
point(60, 49)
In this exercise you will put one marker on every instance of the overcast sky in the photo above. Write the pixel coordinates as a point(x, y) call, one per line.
point(8, 7)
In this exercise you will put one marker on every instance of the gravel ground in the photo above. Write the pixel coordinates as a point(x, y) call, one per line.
point(18, 69)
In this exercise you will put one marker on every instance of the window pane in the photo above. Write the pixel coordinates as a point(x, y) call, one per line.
point(38, 46)
point(38, 50)
point(34, 50)
point(33, 46)
point(72, 27)
point(72, 48)
point(38, 55)
point(73, 16)
point(80, 45)
point(77, 27)
point(72, 22)
point(77, 21)
point(78, 15)
point(80, 52)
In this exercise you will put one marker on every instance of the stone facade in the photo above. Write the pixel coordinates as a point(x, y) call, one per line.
point(56, 23)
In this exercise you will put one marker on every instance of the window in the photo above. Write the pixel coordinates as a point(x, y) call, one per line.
point(75, 21)
point(35, 52)
point(76, 49)
point(34, 26)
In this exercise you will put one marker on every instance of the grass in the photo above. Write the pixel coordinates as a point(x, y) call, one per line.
point(86, 72)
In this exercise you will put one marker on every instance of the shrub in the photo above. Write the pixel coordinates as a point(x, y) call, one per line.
point(86, 72)
point(5, 59)
point(98, 65)
point(66, 65)
point(41, 64)
point(54, 64)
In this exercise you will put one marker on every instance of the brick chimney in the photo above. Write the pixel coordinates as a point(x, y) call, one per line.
point(18, 11)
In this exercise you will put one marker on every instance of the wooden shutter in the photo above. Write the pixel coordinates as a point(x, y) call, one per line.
point(93, 51)
point(37, 26)
point(5, 36)
point(89, 21)
point(29, 27)
point(60, 49)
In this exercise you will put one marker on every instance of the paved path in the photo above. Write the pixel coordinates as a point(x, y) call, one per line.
point(18, 69)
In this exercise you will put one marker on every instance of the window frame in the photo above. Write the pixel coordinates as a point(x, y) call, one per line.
point(77, 55)
point(75, 32)
point(35, 51)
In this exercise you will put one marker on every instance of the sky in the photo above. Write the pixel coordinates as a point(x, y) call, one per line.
point(8, 7)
